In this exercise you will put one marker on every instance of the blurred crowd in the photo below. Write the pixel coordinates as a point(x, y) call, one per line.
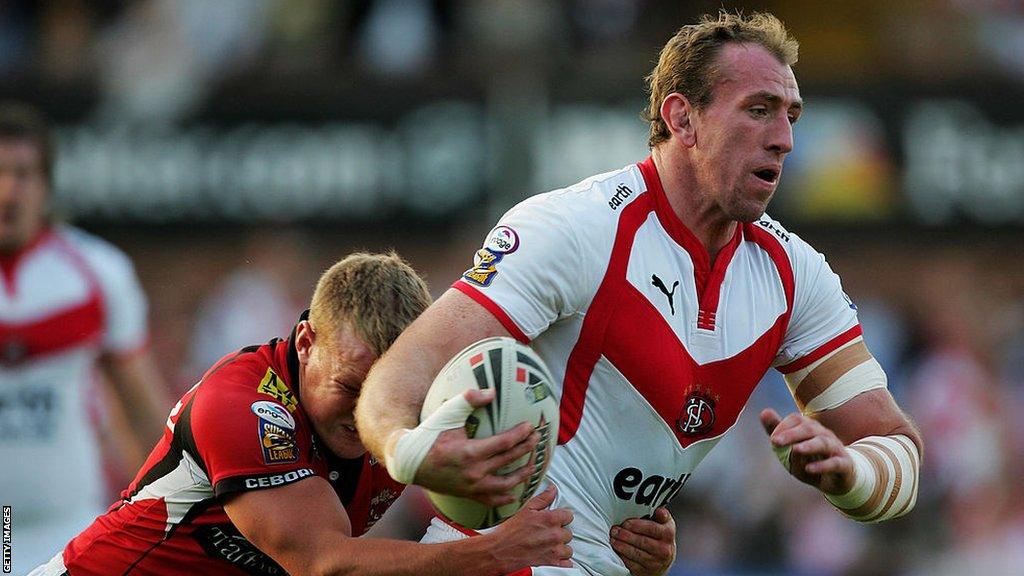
point(164, 60)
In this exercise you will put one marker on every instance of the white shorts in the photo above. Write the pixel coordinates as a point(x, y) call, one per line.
point(441, 531)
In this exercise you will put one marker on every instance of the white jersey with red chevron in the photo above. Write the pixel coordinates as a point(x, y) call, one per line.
point(656, 349)
point(64, 299)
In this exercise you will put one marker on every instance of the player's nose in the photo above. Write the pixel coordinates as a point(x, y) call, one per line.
point(780, 135)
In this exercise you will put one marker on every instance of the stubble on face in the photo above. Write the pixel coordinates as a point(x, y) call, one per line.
point(734, 139)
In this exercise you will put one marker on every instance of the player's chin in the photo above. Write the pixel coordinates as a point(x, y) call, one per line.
point(748, 210)
point(345, 443)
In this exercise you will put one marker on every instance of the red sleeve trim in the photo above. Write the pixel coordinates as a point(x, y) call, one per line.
point(493, 308)
point(821, 351)
point(467, 531)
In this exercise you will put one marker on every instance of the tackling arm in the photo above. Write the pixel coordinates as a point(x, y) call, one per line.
point(304, 527)
point(437, 454)
point(850, 440)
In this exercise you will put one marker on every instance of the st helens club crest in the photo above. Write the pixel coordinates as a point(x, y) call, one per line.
point(698, 414)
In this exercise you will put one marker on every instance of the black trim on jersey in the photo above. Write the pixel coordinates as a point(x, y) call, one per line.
point(261, 481)
point(349, 470)
point(188, 439)
point(172, 459)
point(196, 509)
point(293, 356)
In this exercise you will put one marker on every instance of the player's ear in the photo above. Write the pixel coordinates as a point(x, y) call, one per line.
point(305, 336)
point(677, 113)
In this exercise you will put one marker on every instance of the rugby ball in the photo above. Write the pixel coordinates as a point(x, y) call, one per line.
point(523, 393)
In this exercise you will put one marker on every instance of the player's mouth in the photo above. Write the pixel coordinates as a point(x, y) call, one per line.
point(768, 174)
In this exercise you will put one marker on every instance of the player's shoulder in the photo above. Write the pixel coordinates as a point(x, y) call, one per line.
point(794, 245)
point(248, 375)
point(587, 204)
point(802, 256)
point(100, 254)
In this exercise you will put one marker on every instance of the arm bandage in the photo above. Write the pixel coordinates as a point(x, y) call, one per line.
point(885, 487)
point(852, 371)
point(886, 467)
point(405, 449)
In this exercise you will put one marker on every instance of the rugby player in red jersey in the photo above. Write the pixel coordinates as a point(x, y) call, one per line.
point(261, 471)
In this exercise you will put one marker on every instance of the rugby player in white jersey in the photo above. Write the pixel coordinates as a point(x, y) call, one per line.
point(69, 302)
point(659, 295)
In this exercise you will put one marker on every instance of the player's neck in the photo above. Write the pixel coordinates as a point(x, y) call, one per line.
point(696, 211)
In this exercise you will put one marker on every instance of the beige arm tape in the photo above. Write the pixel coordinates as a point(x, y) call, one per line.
point(816, 390)
point(886, 467)
point(887, 471)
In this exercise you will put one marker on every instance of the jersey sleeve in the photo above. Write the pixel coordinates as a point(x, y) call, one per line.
point(528, 271)
point(246, 440)
point(124, 302)
point(823, 319)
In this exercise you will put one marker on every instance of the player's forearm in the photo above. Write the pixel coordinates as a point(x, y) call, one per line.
point(393, 392)
point(373, 557)
point(887, 469)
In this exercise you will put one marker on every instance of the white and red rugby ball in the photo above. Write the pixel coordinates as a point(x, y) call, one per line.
point(523, 393)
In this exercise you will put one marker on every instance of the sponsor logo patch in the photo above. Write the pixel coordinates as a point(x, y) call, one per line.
point(621, 193)
point(501, 241)
point(483, 271)
point(273, 386)
point(379, 504)
point(226, 543)
point(278, 443)
point(631, 484)
point(274, 413)
point(778, 231)
point(698, 414)
point(277, 479)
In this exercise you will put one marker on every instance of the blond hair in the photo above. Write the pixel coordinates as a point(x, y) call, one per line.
point(687, 62)
point(378, 294)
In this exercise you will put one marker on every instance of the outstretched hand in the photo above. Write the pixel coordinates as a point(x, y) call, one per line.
point(475, 468)
point(816, 455)
point(535, 535)
point(646, 547)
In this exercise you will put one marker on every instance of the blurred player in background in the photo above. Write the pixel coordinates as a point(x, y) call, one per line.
point(659, 295)
point(261, 470)
point(69, 302)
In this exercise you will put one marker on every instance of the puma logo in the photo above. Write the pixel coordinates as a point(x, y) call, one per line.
point(661, 286)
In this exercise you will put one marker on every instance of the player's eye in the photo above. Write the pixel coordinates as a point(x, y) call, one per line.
point(758, 111)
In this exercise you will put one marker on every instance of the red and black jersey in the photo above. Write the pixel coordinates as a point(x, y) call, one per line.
point(240, 428)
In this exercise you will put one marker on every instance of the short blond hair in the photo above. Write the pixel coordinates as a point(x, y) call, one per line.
point(378, 294)
point(687, 62)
